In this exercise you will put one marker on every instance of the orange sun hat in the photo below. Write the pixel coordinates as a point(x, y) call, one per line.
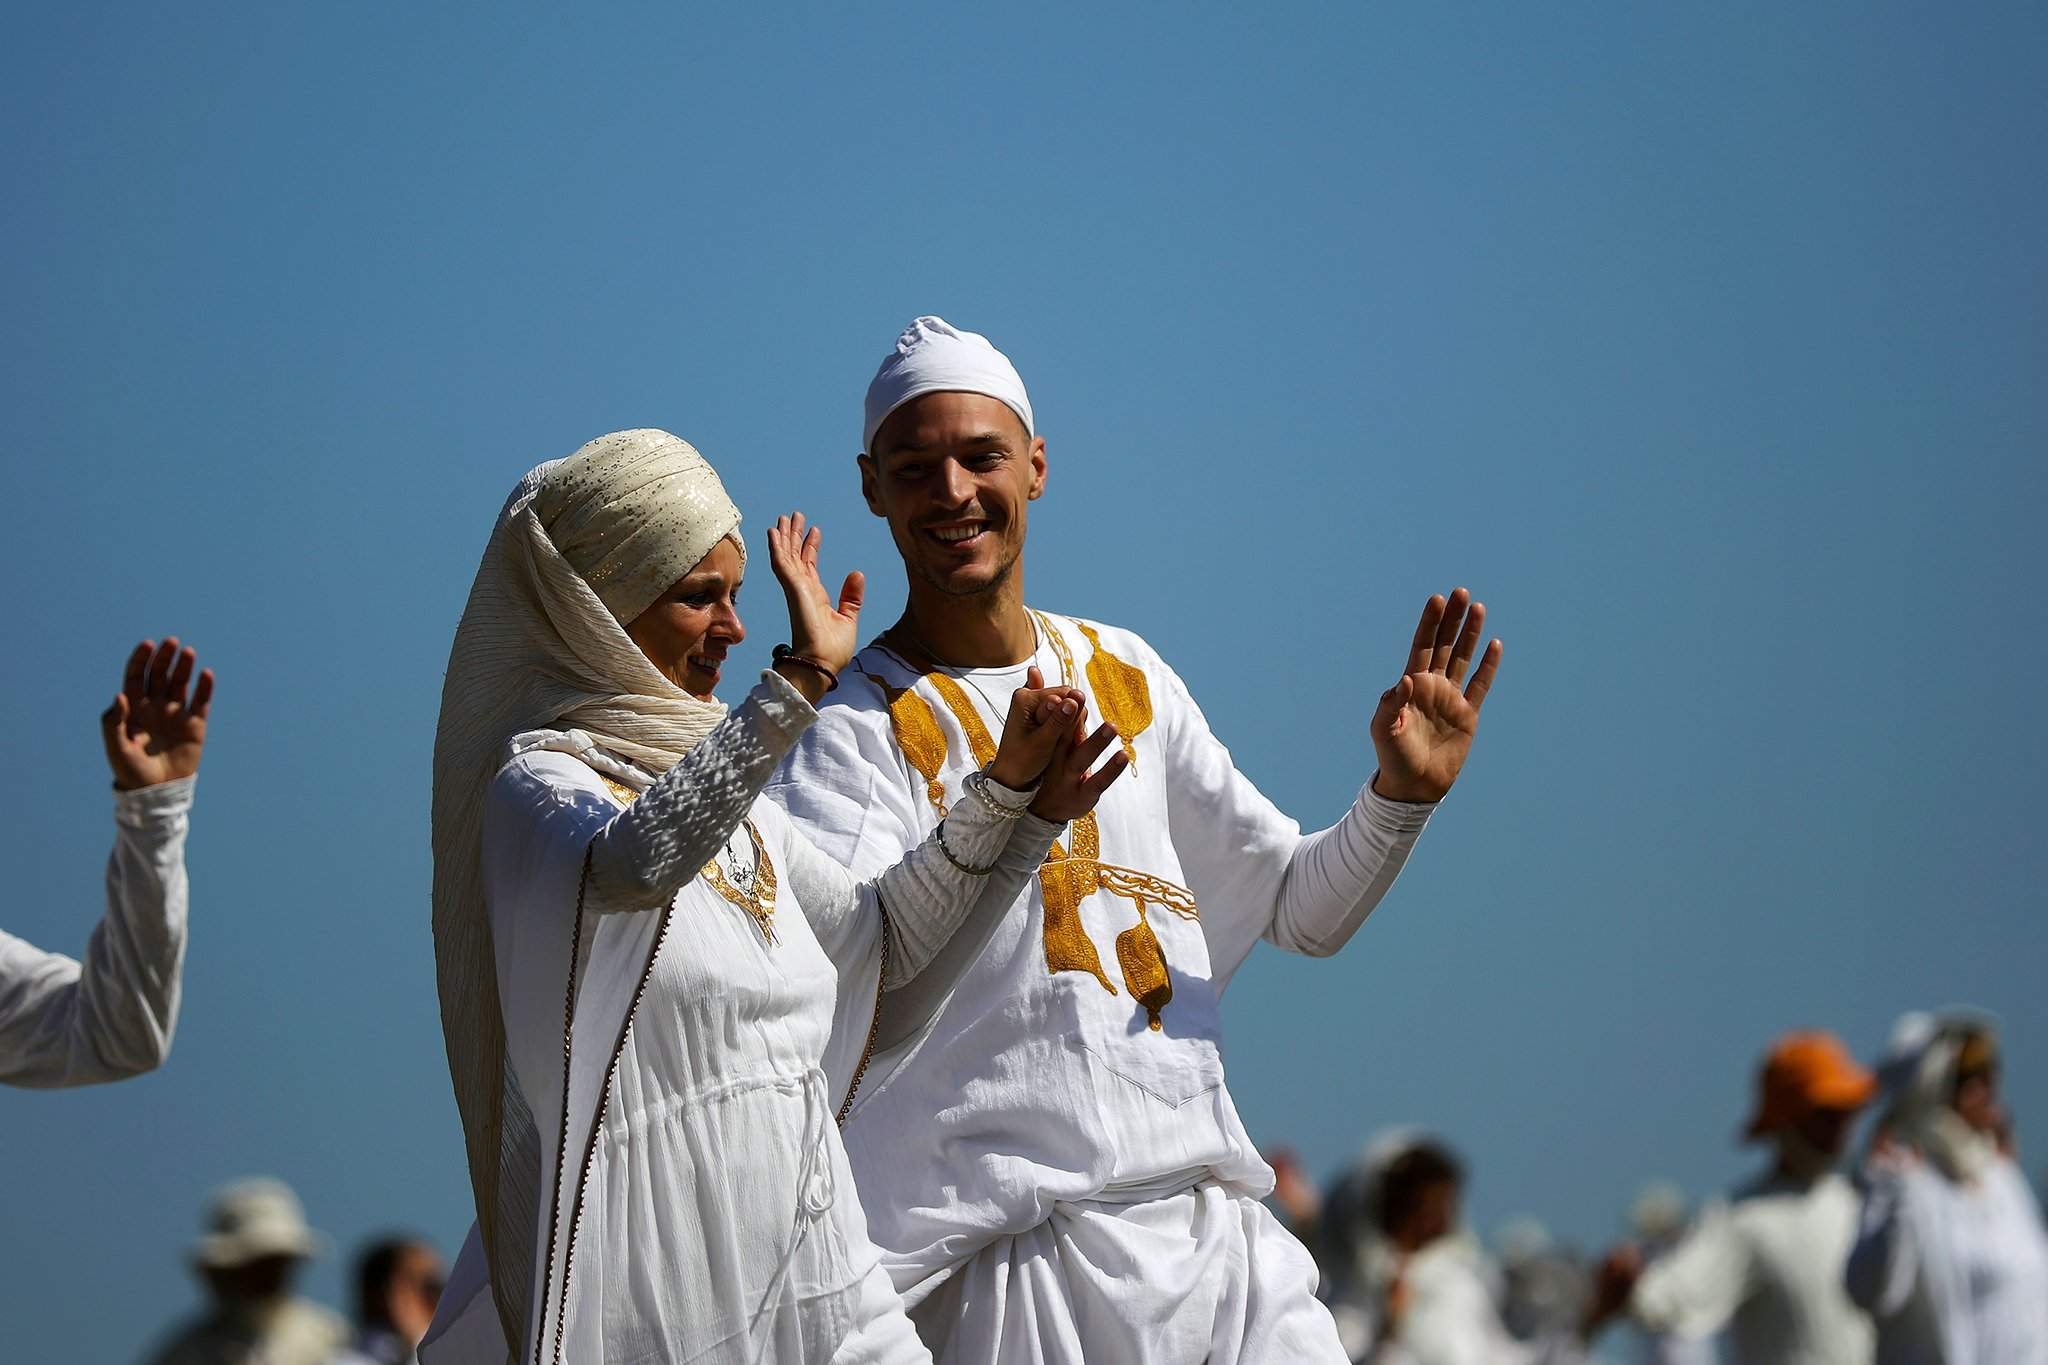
point(1804, 1072)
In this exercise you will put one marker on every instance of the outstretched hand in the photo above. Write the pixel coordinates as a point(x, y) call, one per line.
point(1423, 728)
point(1068, 790)
point(1039, 715)
point(154, 732)
point(818, 629)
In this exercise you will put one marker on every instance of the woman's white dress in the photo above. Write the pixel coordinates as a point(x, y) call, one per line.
point(711, 1215)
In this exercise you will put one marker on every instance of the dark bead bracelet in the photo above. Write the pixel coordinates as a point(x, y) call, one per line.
point(784, 654)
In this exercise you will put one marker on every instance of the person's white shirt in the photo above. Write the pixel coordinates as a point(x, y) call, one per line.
point(1077, 1070)
point(1953, 1270)
point(67, 1022)
point(1766, 1266)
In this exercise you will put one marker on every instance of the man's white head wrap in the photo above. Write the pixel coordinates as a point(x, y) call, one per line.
point(582, 546)
point(933, 356)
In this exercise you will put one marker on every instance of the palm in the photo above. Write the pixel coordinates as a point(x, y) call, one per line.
point(1423, 729)
point(155, 732)
point(819, 628)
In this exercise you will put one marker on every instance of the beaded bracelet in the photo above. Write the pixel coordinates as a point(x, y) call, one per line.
point(784, 654)
point(978, 782)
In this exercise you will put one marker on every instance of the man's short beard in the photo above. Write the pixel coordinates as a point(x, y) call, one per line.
point(995, 581)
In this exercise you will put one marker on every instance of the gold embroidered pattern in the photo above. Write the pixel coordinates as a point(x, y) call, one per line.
point(620, 790)
point(759, 900)
point(919, 736)
point(1121, 691)
point(1065, 879)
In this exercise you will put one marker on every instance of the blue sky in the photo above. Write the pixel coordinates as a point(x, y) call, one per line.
point(1704, 343)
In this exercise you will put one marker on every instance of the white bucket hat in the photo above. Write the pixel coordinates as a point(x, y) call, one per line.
point(251, 1219)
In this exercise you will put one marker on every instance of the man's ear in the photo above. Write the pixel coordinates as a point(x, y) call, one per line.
point(1037, 468)
point(870, 484)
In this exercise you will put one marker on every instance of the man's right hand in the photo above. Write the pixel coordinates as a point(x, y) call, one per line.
point(1068, 790)
point(154, 732)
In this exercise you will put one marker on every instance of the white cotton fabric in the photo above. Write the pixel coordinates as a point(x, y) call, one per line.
point(1203, 1274)
point(1953, 1272)
point(1033, 1090)
point(537, 647)
point(933, 356)
point(1766, 1266)
point(63, 1022)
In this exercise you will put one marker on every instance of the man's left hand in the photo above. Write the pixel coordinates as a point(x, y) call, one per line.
point(1423, 728)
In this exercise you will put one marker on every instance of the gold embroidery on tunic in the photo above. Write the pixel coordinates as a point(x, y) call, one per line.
point(1065, 879)
point(1121, 692)
point(919, 736)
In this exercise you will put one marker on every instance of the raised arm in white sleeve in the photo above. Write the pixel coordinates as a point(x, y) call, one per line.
point(651, 849)
point(66, 1023)
point(1884, 1263)
point(1253, 873)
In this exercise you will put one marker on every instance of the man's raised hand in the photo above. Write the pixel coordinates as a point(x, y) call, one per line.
point(1039, 715)
point(1423, 728)
point(154, 731)
point(1068, 790)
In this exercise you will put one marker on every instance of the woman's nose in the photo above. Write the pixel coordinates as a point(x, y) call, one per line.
point(730, 626)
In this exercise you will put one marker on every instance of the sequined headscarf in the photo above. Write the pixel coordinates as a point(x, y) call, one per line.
point(583, 546)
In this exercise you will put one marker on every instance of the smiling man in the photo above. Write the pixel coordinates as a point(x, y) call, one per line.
point(1054, 1169)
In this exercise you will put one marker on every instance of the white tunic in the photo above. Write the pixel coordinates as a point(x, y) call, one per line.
point(1080, 1060)
point(1954, 1272)
point(1767, 1266)
point(63, 1023)
point(705, 1211)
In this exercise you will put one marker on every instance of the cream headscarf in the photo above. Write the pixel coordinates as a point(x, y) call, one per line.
point(583, 545)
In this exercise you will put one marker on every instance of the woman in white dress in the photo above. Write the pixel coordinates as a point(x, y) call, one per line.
point(608, 891)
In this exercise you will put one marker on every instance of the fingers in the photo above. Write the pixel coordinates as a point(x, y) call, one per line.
point(1468, 643)
point(1108, 773)
point(852, 593)
point(811, 543)
point(202, 695)
point(1088, 750)
point(1447, 630)
point(160, 668)
point(1388, 713)
point(1425, 635)
point(181, 673)
point(132, 677)
point(113, 718)
point(1033, 679)
point(1482, 680)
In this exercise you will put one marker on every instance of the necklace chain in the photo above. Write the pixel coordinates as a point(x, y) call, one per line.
point(966, 675)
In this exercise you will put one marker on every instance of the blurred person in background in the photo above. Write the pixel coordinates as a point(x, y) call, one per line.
point(256, 1241)
point(1543, 1285)
point(1406, 1284)
point(1950, 1259)
point(1659, 1220)
point(398, 1285)
point(1766, 1267)
point(63, 1022)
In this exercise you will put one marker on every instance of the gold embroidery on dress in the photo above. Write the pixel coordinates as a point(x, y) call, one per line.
point(1065, 879)
point(761, 904)
point(1121, 692)
point(759, 900)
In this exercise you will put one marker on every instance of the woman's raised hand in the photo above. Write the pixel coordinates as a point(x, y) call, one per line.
point(818, 629)
point(1039, 715)
point(154, 732)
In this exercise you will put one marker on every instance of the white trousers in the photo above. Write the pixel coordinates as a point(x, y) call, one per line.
point(1203, 1276)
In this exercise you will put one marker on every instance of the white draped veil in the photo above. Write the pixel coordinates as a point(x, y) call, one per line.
point(540, 646)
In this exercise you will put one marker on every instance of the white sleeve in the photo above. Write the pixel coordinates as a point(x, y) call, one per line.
point(651, 849)
point(63, 1023)
point(1253, 874)
point(1694, 1289)
point(1884, 1263)
point(928, 894)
